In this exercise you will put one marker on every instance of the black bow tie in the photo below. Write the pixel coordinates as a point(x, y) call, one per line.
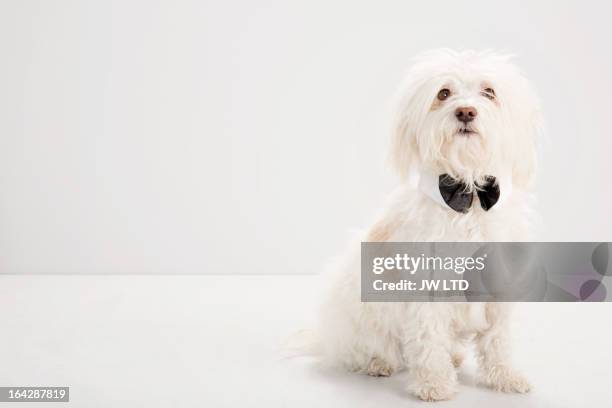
point(455, 194)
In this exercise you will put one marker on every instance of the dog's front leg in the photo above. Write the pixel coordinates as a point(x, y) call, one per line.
point(426, 348)
point(493, 346)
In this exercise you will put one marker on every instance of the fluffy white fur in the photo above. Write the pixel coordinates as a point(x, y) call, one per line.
point(428, 339)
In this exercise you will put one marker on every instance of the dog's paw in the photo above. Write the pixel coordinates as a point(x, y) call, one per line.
point(379, 368)
point(434, 386)
point(434, 392)
point(506, 379)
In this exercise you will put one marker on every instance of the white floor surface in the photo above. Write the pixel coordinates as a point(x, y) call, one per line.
point(214, 341)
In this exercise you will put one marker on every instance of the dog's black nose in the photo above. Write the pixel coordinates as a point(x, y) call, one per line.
point(466, 114)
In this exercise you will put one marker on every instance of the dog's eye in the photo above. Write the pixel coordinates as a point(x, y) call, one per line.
point(443, 94)
point(488, 93)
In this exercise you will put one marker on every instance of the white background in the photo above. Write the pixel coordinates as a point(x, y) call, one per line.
point(242, 137)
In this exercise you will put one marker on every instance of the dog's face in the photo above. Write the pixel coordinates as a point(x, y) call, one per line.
point(466, 114)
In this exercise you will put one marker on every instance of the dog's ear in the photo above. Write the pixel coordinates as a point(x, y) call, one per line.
point(525, 167)
point(527, 139)
point(404, 155)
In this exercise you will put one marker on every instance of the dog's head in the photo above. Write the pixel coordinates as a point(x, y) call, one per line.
point(467, 114)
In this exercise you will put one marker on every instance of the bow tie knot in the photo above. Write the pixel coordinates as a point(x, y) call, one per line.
point(458, 197)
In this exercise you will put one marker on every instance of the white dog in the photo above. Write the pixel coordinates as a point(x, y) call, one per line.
point(468, 115)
